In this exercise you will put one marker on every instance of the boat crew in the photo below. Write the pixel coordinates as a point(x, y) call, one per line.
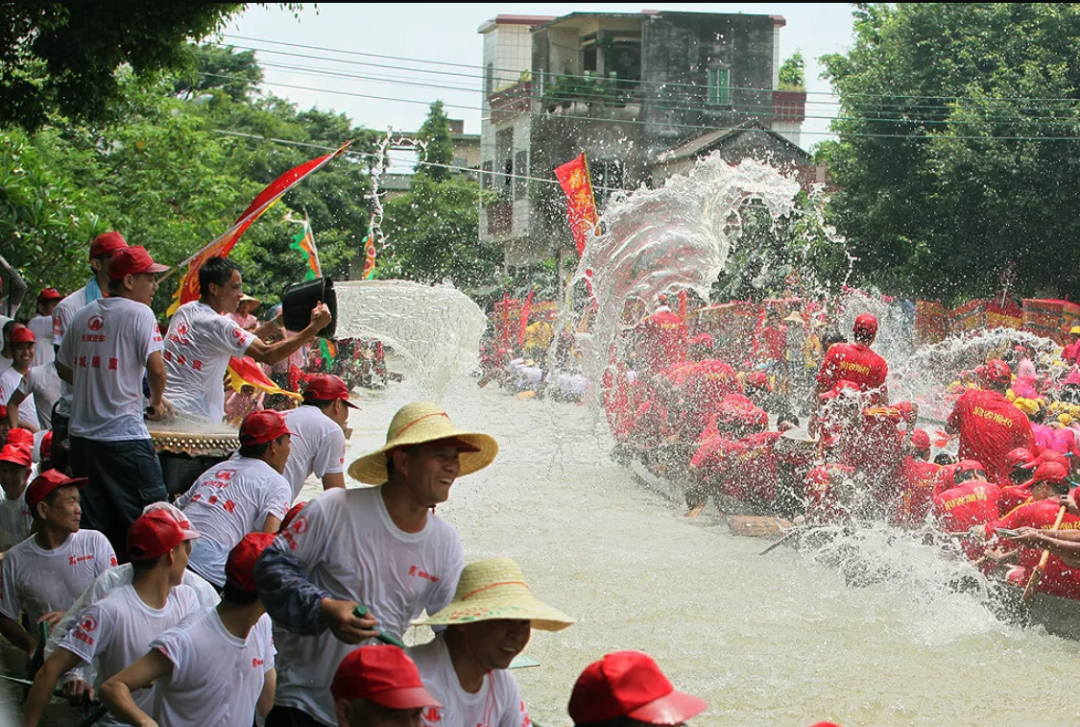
point(200, 341)
point(379, 686)
point(318, 434)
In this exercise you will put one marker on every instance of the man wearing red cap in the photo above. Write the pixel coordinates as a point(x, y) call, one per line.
point(106, 349)
point(201, 340)
point(972, 502)
point(661, 341)
point(1020, 463)
point(118, 629)
point(245, 493)
point(101, 251)
point(917, 482)
point(42, 325)
point(21, 412)
point(215, 668)
point(38, 391)
point(318, 434)
point(627, 687)
point(990, 426)
point(707, 382)
point(379, 686)
point(43, 575)
point(15, 468)
point(855, 362)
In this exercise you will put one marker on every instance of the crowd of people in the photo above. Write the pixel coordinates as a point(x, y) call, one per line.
point(236, 602)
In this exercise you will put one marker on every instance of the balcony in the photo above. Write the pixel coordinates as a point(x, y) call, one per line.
point(789, 106)
point(511, 101)
point(500, 218)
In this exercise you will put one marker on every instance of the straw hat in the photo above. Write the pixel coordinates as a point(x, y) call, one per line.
point(418, 423)
point(496, 589)
point(795, 318)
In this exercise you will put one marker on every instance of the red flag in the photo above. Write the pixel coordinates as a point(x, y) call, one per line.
point(244, 370)
point(581, 204)
point(189, 286)
point(526, 309)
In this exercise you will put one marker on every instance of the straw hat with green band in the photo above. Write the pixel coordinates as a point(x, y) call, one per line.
point(419, 423)
point(496, 589)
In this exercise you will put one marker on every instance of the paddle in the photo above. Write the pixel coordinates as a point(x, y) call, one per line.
point(361, 610)
point(1029, 591)
point(791, 534)
point(91, 718)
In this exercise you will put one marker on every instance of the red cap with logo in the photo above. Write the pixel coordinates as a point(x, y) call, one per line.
point(383, 674)
point(629, 683)
point(133, 261)
point(1052, 472)
point(260, 427)
point(866, 324)
point(155, 533)
point(920, 440)
point(48, 482)
point(240, 567)
point(49, 294)
point(23, 335)
point(106, 243)
point(326, 387)
point(998, 372)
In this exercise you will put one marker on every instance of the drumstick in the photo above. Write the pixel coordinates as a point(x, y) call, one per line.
point(1029, 591)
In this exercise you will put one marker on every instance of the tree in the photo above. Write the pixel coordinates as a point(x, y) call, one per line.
point(793, 73)
point(438, 147)
point(957, 148)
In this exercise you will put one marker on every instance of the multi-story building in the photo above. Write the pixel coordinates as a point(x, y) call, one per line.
point(642, 94)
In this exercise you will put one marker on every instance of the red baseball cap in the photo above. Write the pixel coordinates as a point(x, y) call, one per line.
point(21, 437)
point(48, 482)
point(867, 324)
point(1049, 455)
point(920, 440)
point(49, 294)
point(702, 339)
point(383, 674)
point(46, 445)
point(758, 380)
point(23, 335)
point(968, 465)
point(262, 426)
point(3, 412)
point(1017, 457)
point(629, 683)
point(998, 371)
point(107, 242)
point(133, 261)
point(1047, 472)
point(18, 454)
point(325, 387)
point(155, 533)
point(240, 567)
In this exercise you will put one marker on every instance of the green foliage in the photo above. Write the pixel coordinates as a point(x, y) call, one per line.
point(957, 149)
point(438, 147)
point(235, 73)
point(793, 73)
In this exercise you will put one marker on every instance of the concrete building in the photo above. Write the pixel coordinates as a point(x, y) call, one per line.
point(642, 94)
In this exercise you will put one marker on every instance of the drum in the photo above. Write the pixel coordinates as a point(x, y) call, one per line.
point(187, 448)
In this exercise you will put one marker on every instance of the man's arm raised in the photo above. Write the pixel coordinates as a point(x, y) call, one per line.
point(274, 353)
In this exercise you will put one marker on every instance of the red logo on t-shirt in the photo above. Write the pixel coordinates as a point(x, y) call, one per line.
point(414, 571)
point(226, 475)
point(89, 623)
point(257, 663)
point(237, 333)
point(432, 715)
point(96, 323)
point(182, 329)
point(299, 525)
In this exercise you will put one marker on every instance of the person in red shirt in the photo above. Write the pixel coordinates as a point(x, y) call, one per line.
point(770, 343)
point(917, 482)
point(1013, 494)
point(661, 341)
point(1070, 353)
point(713, 468)
point(973, 501)
point(990, 426)
point(706, 383)
point(855, 362)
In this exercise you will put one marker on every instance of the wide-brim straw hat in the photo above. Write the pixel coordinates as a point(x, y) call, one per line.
point(418, 423)
point(496, 589)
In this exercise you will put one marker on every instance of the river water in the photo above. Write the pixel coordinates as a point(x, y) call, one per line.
point(774, 640)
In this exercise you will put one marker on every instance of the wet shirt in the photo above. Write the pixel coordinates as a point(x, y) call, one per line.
point(198, 347)
point(990, 427)
point(497, 704)
point(874, 444)
point(916, 491)
point(10, 382)
point(706, 384)
point(1058, 579)
point(852, 362)
point(662, 342)
point(317, 446)
point(42, 387)
point(62, 316)
point(15, 520)
point(959, 509)
point(42, 326)
point(771, 343)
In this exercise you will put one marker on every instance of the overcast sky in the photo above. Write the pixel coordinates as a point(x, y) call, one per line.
point(447, 33)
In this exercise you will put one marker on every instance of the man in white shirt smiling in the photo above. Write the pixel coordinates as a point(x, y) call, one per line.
point(201, 340)
point(105, 351)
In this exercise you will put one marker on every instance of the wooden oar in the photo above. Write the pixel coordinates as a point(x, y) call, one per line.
point(791, 534)
point(1029, 591)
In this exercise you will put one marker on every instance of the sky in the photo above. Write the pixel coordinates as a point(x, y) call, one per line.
point(425, 35)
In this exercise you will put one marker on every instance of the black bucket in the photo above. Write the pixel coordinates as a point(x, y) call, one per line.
point(299, 299)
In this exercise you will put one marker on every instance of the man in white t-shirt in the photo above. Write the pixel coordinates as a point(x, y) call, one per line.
point(244, 494)
point(216, 668)
point(42, 325)
point(15, 518)
point(318, 434)
point(43, 575)
point(20, 414)
point(200, 341)
point(101, 251)
point(43, 384)
point(488, 624)
point(117, 630)
point(105, 351)
point(378, 546)
point(379, 686)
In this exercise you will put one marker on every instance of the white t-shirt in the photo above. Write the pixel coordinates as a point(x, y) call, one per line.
point(118, 629)
point(227, 502)
point(35, 581)
point(10, 382)
point(350, 547)
point(15, 519)
point(497, 704)
point(106, 347)
point(63, 314)
point(197, 351)
point(42, 387)
point(216, 677)
point(317, 446)
point(42, 326)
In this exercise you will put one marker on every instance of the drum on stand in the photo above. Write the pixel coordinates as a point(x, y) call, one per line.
point(188, 448)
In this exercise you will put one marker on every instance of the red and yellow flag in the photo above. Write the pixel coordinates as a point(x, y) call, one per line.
point(369, 251)
point(189, 286)
point(304, 242)
point(244, 370)
point(581, 204)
